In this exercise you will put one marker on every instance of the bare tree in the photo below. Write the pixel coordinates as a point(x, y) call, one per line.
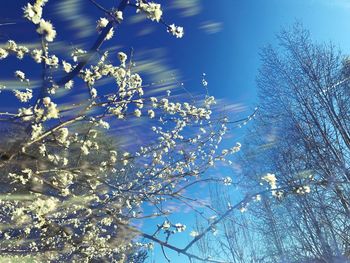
point(301, 134)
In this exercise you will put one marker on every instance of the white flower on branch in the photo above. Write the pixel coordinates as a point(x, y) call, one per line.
point(33, 12)
point(104, 124)
point(51, 61)
point(122, 58)
point(180, 227)
point(119, 16)
point(37, 130)
point(257, 198)
point(243, 209)
point(42, 149)
point(93, 93)
point(152, 10)
point(37, 55)
point(20, 75)
point(227, 181)
point(151, 113)
point(137, 113)
point(305, 189)
point(47, 30)
point(166, 225)
point(23, 96)
point(176, 31)
point(3, 53)
point(204, 82)
point(67, 67)
point(236, 148)
point(69, 84)
point(46, 101)
point(194, 233)
point(102, 23)
point(26, 113)
point(62, 136)
point(52, 111)
point(13, 48)
point(271, 180)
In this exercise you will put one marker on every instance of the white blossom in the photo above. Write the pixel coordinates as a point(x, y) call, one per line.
point(176, 31)
point(47, 30)
point(194, 233)
point(37, 130)
point(137, 113)
point(119, 16)
point(305, 189)
point(20, 75)
point(122, 58)
point(227, 181)
point(3, 53)
point(151, 113)
point(52, 111)
point(243, 209)
point(26, 113)
point(166, 225)
point(37, 55)
point(152, 10)
point(102, 23)
point(93, 93)
point(42, 149)
point(180, 227)
point(23, 96)
point(67, 67)
point(104, 124)
point(46, 101)
point(271, 179)
point(62, 135)
point(33, 12)
point(69, 84)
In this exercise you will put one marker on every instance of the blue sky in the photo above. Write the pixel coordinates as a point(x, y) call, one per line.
point(222, 38)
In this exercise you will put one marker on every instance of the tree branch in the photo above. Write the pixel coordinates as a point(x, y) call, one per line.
point(92, 50)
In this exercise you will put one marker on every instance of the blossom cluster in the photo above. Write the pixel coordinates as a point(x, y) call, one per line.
point(152, 10)
point(80, 188)
point(34, 14)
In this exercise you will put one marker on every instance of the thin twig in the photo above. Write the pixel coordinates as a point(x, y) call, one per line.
point(92, 50)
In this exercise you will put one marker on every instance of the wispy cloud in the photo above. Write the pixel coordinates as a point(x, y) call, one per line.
point(187, 7)
point(70, 11)
point(153, 63)
point(211, 27)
